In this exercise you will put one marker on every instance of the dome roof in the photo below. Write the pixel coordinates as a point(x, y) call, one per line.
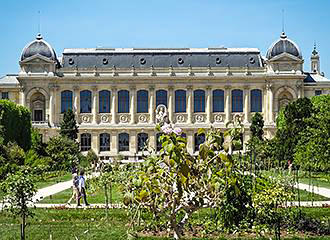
point(38, 46)
point(283, 45)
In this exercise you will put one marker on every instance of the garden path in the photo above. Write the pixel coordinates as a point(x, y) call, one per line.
point(317, 190)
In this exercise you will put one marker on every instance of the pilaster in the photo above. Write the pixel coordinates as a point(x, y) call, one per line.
point(132, 104)
point(246, 103)
point(170, 103)
point(114, 105)
point(189, 103)
point(208, 104)
point(227, 103)
point(94, 109)
point(152, 105)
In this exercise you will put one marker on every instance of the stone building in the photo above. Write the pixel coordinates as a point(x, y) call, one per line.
point(114, 92)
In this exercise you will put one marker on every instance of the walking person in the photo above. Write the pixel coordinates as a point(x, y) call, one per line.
point(82, 188)
point(75, 190)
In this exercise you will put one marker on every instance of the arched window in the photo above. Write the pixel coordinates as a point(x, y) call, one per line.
point(237, 100)
point(66, 101)
point(199, 139)
point(142, 141)
point(161, 97)
point(199, 101)
point(104, 101)
point(85, 141)
point(123, 140)
point(256, 100)
point(85, 101)
point(142, 101)
point(158, 143)
point(123, 101)
point(180, 101)
point(218, 101)
point(104, 142)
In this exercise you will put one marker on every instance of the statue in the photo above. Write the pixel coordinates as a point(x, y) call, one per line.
point(161, 114)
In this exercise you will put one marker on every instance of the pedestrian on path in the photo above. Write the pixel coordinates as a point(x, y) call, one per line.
point(75, 190)
point(82, 188)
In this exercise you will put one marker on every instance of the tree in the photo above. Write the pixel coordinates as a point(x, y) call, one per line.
point(91, 159)
point(257, 125)
point(174, 184)
point(19, 188)
point(16, 124)
point(63, 152)
point(69, 127)
point(290, 123)
point(313, 149)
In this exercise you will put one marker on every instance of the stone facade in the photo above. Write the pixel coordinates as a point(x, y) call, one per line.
point(244, 80)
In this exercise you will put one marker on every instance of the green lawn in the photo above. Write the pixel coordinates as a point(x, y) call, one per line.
point(51, 179)
point(92, 224)
point(319, 182)
point(92, 197)
point(308, 196)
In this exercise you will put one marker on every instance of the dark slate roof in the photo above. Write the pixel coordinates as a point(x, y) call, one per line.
point(38, 46)
point(161, 57)
point(314, 78)
point(283, 45)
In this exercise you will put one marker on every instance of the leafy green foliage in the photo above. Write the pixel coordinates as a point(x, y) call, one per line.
point(69, 127)
point(19, 188)
point(63, 153)
point(16, 124)
point(313, 149)
point(257, 125)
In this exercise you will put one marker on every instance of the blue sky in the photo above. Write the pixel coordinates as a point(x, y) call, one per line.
point(171, 23)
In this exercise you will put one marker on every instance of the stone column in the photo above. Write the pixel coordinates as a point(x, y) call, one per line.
point(265, 104)
point(114, 142)
point(57, 110)
point(208, 104)
point(227, 103)
point(51, 106)
point(132, 142)
point(22, 96)
point(190, 141)
point(170, 103)
point(76, 104)
point(113, 105)
point(300, 90)
point(189, 104)
point(94, 109)
point(152, 140)
point(95, 142)
point(132, 104)
point(246, 104)
point(152, 105)
point(270, 100)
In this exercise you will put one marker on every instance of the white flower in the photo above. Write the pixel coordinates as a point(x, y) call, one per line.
point(177, 131)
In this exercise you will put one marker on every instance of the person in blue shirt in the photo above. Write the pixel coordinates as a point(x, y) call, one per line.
point(82, 188)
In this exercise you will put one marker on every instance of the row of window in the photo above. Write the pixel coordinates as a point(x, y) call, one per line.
point(4, 95)
point(161, 98)
point(123, 141)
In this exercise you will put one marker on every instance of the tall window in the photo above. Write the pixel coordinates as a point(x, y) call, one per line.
point(256, 100)
point(318, 92)
point(237, 100)
point(123, 142)
point(123, 101)
point(85, 141)
point(66, 100)
point(199, 139)
point(199, 101)
point(218, 101)
point(104, 101)
point(85, 101)
point(5, 95)
point(180, 101)
point(161, 97)
point(142, 101)
point(142, 141)
point(104, 142)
